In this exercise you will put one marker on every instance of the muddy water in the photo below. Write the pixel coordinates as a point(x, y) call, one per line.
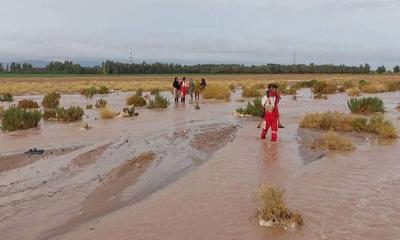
point(184, 196)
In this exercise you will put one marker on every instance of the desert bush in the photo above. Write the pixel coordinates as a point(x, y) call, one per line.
point(154, 91)
point(320, 96)
point(392, 86)
point(336, 121)
point(216, 91)
point(89, 106)
point(333, 142)
point(139, 92)
point(15, 118)
point(158, 102)
point(71, 114)
point(232, 87)
point(253, 109)
point(89, 92)
point(135, 100)
point(354, 92)
point(106, 113)
point(348, 84)
point(6, 97)
point(103, 90)
point(373, 87)
point(1, 110)
point(51, 100)
point(272, 208)
point(27, 104)
point(366, 105)
point(320, 87)
point(362, 82)
point(101, 103)
point(384, 128)
point(252, 91)
point(292, 90)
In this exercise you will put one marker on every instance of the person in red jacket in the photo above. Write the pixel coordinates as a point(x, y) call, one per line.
point(269, 102)
point(275, 92)
point(184, 88)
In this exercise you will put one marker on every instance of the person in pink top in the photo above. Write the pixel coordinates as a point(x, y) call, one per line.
point(184, 88)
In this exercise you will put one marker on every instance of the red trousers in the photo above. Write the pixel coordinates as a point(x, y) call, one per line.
point(270, 120)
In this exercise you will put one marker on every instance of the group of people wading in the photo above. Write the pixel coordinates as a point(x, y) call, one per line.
point(270, 118)
point(183, 87)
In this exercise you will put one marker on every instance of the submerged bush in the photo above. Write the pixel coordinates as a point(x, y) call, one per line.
point(354, 92)
point(103, 90)
point(251, 91)
point(306, 84)
point(154, 91)
point(101, 103)
point(1, 110)
point(333, 142)
point(158, 102)
point(139, 92)
point(106, 113)
point(253, 109)
point(273, 210)
point(71, 114)
point(27, 104)
point(135, 100)
point(349, 123)
point(51, 100)
point(320, 87)
point(6, 97)
point(366, 105)
point(89, 106)
point(373, 87)
point(216, 91)
point(89, 92)
point(15, 118)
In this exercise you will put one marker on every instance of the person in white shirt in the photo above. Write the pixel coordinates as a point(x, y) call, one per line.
point(269, 103)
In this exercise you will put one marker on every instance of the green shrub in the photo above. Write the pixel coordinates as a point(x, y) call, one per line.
point(6, 97)
point(384, 128)
point(27, 104)
point(158, 102)
point(253, 109)
point(51, 100)
point(137, 101)
point(15, 118)
point(1, 110)
point(139, 92)
point(103, 90)
point(89, 92)
point(89, 106)
point(251, 92)
point(366, 105)
point(154, 91)
point(362, 82)
point(71, 114)
point(101, 103)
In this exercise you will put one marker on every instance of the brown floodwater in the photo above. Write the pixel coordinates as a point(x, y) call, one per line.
point(200, 185)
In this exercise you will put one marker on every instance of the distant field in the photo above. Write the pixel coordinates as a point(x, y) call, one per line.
point(66, 83)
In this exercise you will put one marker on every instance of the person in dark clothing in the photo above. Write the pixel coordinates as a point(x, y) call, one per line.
point(203, 84)
point(177, 88)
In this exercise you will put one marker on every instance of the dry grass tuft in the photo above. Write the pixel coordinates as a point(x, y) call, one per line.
point(216, 91)
point(106, 113)
point(273, 210)
point(333, 142)
point(252, 91)
point(373, 87)
point(27, 104)
point(354, 92)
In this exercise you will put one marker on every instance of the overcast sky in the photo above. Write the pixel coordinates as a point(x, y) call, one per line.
point(201, 31)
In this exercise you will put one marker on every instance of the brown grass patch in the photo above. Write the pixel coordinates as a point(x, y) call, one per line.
point(216, 91)
point(333, 142)
point(106, 113)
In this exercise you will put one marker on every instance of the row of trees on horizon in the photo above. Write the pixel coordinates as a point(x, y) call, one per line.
point(112, 67)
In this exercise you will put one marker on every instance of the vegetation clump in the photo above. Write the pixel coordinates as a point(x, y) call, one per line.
point(366, 105)
point(354, 92)
point(253, 108)
point(71, 114)
point(15, 118)
point(103, 90)
point(89, 106)
point(216, 91)
point(6, 97)
point(154, 91)
point(321, 87)
point(27, 104)
point(252, 91)
point(91, 91)
point(373, 87)
point(158, 102)
point(273, 210)
point(333, 142)
point(136, 100)
point(306, 84)
point(336, 121)
point(106, 113)
point(51, 100)
point(101, 103)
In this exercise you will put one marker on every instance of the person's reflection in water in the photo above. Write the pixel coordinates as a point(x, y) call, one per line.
point(270, 161)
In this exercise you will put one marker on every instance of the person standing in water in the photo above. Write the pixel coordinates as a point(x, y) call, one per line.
point(184, 88)
point(177, 88)
point(191, 89)
point(203, 84)
point(197, 90)
point(275, 92)
point(269, 103)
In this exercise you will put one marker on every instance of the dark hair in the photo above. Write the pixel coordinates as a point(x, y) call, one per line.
point(184, 78)
point(176, 78)
point(274, 86)
point(270, 86)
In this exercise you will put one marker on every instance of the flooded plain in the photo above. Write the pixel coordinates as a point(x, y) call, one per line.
point(183, 173)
